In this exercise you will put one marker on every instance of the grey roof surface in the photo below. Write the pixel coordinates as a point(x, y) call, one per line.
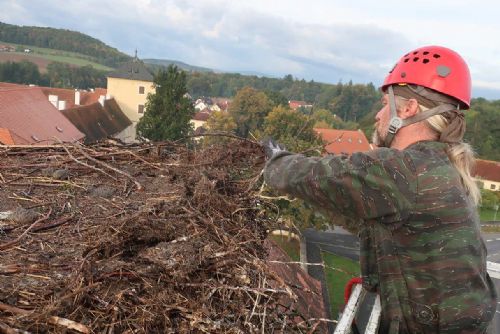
point(132, 70)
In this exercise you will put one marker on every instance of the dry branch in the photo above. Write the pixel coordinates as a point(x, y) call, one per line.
point(69, 324)
point(12, 243)
point(185, 254)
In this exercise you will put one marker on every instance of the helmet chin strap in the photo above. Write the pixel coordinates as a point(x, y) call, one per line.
point(397, 123)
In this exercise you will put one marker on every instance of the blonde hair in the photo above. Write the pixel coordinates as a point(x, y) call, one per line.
point(460, 154)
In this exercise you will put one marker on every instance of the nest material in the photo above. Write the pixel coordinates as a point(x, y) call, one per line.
point(138, 239)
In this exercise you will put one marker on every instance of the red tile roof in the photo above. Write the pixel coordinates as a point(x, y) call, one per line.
point(6, 137)
point(68, 95)
point(344, 141)
point(222, 102)
point(32, 119)
point(487, 170)
point(309, 293)
point(201, 115)
point(87, 98)
point(64, 94)
point(297, 104)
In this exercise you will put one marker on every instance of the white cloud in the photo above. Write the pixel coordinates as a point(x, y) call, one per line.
point(320, 39)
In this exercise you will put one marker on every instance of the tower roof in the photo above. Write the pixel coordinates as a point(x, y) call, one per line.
point(132, 70)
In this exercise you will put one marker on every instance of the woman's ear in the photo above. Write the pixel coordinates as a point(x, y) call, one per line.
point(410, 109)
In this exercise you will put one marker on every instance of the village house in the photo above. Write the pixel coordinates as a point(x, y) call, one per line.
point(487, 174)
point(28, 118)
point(294, 105)
point(130, 85)
point(91, 112)
point(215, 108)
point(7, 48)
point(199, 120)
point(344, 141)
point(200, 105)
point(221, 102)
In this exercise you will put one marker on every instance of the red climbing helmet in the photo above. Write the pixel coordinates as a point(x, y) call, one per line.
point(435, 67)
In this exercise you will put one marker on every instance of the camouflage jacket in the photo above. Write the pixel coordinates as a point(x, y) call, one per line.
point(421, 247)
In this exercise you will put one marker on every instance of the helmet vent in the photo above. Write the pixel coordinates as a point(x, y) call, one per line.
point(406, 60)
point(436, 56)
point(426, 53)
point(425, 61)
point(415, 52)
point(416, 59)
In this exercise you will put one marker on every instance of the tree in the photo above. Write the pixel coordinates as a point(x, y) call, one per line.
point(276, 98)
point(291, 128)
point(483, 130)
point(219, 121)
point(489, 199)
point(168, 110)
point(23, 72)
point(248, 110)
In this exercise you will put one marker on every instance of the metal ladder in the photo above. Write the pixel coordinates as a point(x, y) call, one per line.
point(358, 294)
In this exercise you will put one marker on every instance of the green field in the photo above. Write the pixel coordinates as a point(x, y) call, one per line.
point(66, 57)
point(489, 215)
point(339, 270)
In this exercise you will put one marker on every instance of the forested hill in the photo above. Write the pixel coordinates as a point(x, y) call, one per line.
point(62, 39)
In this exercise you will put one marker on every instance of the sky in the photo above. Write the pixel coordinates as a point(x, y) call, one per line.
point(321, 40)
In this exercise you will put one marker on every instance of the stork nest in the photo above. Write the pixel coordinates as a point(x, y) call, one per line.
point(147, 238)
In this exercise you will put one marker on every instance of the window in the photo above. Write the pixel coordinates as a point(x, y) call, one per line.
point(492, 187)
point(141, 89)
point(140, 109)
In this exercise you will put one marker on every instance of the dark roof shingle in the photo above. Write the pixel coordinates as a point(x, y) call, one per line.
point(98, 122)
point(132, 70)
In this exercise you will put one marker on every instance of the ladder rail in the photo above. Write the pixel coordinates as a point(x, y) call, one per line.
point(345, 322)
point(374, 321)
point(349, 314)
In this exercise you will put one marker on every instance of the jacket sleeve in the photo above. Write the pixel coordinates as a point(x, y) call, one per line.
point(376, 185)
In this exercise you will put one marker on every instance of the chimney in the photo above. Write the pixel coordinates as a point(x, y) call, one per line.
point(101, 100)
point(61, 105)
point(77, 97)
point(54, 100)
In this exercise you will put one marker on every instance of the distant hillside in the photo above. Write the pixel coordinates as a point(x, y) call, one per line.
point(42, 57)
point(165, 62)
point(62, 39)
